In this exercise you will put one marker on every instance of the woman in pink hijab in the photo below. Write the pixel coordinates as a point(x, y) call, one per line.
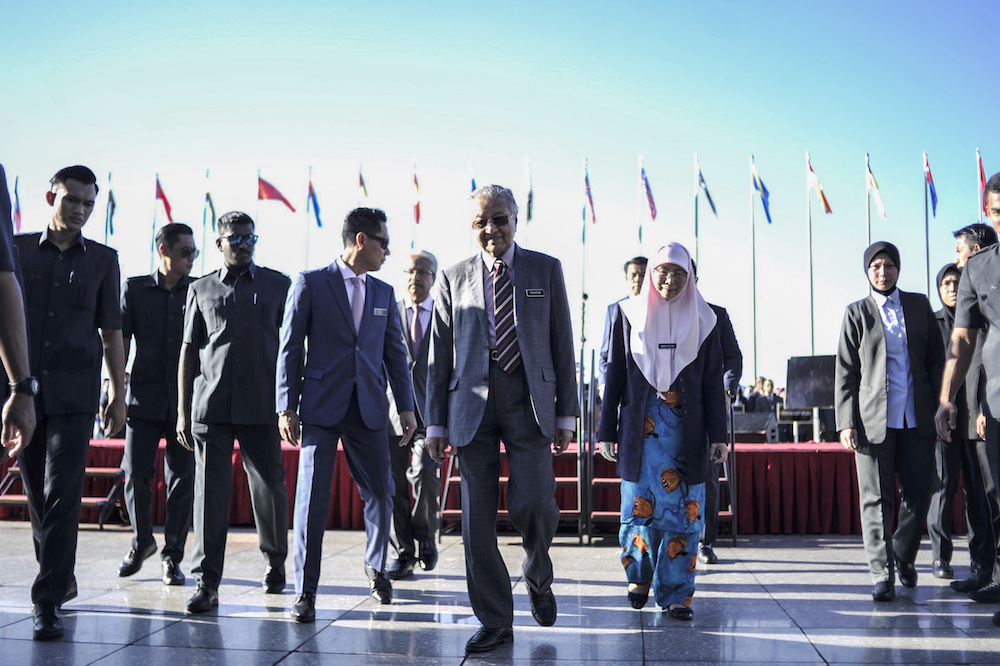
point(664, 407)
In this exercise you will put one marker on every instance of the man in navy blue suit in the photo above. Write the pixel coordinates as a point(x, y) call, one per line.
point(336, 391)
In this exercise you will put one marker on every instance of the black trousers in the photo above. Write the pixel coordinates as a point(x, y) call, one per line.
point(711, 532)
point(417, 520)
point(949, 464)
point(53, 466)
point(213, 486)
point(142, 439)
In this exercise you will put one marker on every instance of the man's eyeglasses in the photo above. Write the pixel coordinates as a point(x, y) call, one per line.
point(190, 252)
point(419, 271)
point(664, 273)
point(497, 220)
point(383, 241)
point(238, 239)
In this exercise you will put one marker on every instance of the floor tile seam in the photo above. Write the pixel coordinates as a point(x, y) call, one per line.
point(799, 627)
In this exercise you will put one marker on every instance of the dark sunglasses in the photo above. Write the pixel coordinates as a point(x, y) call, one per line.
point(497, 220)
point(190, 252)
point(383, 241)
point(237, 239)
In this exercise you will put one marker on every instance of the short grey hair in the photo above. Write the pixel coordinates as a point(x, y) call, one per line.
point(488, 192)
point(424, 254)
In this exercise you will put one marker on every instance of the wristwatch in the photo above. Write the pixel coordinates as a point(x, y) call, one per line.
point(28, 386)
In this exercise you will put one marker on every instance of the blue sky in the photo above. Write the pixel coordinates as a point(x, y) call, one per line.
point(235, 87)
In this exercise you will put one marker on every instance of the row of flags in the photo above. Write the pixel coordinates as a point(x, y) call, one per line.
point(267, 191)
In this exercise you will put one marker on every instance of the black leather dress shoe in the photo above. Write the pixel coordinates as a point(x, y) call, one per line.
point(400, 568)
point(543, 607)
point(943, 570)
point(987, 595)
point(46, 623)
point(304, 609)
point(883, 591)
point(707, 556)
point(172, 574)
point(428, 555)
point(487, 639)
point(978, 580)
point(907, 573)
point(204, 600)
point(381, 588)
point(638, 597)
point(133, 561)
point(274, 580)
point(680, 612)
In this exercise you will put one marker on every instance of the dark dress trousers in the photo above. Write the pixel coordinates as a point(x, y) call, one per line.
point(732, 371)
point(883, 453)
point(154, 316)
point(412, 466)
point(70, 295)
point(481, 405)
point(978, 307)
point(338, 388)
point(233, 321)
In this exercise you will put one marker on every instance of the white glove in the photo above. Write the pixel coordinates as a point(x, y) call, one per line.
point(609, 450)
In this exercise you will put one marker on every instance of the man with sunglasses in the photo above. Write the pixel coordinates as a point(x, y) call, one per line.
point(153, 313)
point(502, 368)
point(336, 391)
point(225, 392)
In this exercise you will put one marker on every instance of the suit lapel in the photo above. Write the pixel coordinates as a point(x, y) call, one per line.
point(522, 278)
point(404, 321)
point(336, 282)
point(475, 276)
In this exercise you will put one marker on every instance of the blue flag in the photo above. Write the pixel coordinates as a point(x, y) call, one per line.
point(759, 186)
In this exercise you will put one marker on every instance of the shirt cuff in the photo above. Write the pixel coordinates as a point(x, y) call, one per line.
point(436, 431)
point(566, 422)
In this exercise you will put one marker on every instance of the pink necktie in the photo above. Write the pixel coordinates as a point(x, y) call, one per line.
point(416, 334)
point(508, 351)
point(357, 303)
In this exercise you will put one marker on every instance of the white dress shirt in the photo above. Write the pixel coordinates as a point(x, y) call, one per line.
point(900, 411)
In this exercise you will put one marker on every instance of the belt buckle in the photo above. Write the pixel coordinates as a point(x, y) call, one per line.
point(494, 354)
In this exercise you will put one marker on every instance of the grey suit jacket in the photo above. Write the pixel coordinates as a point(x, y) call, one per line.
point(861, 384)
point(459, 364)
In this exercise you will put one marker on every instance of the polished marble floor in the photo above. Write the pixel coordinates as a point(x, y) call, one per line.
point(773, 600)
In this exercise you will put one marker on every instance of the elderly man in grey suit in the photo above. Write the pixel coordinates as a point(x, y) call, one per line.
point(889, 365)
point(502, 367)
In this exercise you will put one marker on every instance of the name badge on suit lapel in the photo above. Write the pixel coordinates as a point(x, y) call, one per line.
point(535, 293)
point(381, 312)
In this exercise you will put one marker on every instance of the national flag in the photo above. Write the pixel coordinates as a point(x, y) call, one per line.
point(266, 190)
point(982, 183)
point(109, 225)
point(930, 182)
point(873, 187)
point(314, 203)
point(473, 183)
point(416, 202)
point(649, 192)
point(361, 183)
point(815, 184)
point(17, 208)
point(530, 204)
point(209, 208)
point(590, 198)
point(163, 197)
point(704, 187)
point(759, 186)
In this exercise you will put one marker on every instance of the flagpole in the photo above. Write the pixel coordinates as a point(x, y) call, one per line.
point(809, 241)
point(105, 215)
point(306, 265)
point(152, 242)
point(638, 203)
point(256, 210)
point(583, 269)
point(697, 184)
point(204, 224)
point(927, 233)
point(979, 184)
point(868, 200)
point(753, 267)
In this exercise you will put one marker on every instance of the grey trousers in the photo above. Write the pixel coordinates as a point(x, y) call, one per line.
point(530, 498)
point(909, 457)
point(417, 520)
point(213, 486)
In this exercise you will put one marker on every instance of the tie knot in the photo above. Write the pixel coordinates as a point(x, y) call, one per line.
point(499, 266)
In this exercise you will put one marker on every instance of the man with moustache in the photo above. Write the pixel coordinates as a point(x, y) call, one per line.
point(71, 286)
point(153, 313)
point(501, 367)
point(341, 341)
point(975, 309)
point(225, 388)
point(414, 467)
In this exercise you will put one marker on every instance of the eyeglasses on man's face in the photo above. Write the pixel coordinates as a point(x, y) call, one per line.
point(496, 220)
point(419, 271)
point(238, 239)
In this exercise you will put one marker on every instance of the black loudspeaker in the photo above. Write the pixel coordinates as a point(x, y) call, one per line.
point(810, 382)
point(757, 423)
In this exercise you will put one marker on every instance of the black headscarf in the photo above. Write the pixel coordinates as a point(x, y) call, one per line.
point(947, 268)
point(889, 249)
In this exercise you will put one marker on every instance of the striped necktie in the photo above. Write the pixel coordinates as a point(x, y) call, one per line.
point(508, 351)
